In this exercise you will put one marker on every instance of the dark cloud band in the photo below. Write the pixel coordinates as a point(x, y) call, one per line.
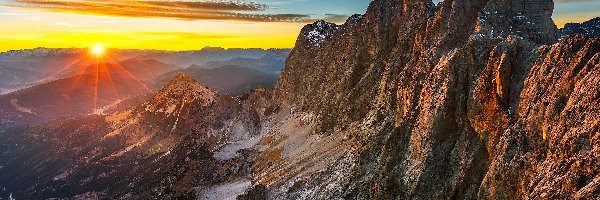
point(182, 9)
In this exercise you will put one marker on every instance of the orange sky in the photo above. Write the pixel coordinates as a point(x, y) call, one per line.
point(164, 25)
point(48, 29)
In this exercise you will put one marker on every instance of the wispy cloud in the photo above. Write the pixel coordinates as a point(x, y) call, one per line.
point(181, 9)
point(337, 18)
point(184, 35)
point(68, 24)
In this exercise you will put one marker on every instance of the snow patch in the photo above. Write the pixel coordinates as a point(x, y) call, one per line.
point(228, 191)
point(320, 32)
point(230, 150)
point(100, 111)
point(15, 104)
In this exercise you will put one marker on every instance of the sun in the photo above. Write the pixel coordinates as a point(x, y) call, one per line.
point(97, 49)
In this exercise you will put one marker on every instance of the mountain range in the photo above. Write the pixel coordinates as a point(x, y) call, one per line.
point(230, 79)
point(412, 100)
point(43, 92)
point(25, 68)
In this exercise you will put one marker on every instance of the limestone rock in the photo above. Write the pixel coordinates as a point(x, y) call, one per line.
point(455, 101)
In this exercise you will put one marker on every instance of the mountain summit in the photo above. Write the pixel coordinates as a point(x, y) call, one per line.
point(182, 89)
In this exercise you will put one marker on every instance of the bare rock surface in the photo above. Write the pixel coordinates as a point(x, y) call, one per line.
point(467, 99)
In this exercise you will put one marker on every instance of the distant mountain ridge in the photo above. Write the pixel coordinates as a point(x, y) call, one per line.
point(47, 64)
point(13, 79)
point(272, 62)
point(209, 54)
point(230, 79)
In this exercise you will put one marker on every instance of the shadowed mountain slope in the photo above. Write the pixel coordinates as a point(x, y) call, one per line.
point(232, 80)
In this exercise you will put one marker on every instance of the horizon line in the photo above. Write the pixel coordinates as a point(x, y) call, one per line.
point(143, 49)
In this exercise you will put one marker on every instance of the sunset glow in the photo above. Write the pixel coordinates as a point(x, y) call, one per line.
point(187, 25)
point(97, 63)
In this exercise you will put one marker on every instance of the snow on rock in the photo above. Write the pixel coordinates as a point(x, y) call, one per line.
point(318, 32)
point(102, 110)
point(15, 104)
point(227, 191)
point(531, 20)
point(591, 27)
point(292, 153)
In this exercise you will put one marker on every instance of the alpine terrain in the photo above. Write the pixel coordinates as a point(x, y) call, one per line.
point(479, 99)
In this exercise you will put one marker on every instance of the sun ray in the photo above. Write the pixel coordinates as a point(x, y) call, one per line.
point(109, 79)
point(81, 72)
point(96, 77)
point(71, 64)
point(129, 74)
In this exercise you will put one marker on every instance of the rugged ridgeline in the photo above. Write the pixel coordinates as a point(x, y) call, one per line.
point(171, 147)
point(229, 79)
point(590, 27)
point(467, 99)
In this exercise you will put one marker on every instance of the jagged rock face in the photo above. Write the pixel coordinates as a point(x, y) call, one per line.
point(317, 33)
point(433, 107)
point(551, 148)
point(531, 19)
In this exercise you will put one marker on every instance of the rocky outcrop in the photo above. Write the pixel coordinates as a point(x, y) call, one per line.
point(551, 148)
point(459, 100)
point(531, 19)
point(590, 27)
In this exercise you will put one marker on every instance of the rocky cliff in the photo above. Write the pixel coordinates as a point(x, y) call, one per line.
point(467, 99)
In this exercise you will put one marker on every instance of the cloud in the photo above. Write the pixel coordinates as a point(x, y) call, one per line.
point(184, 35)
point(181, 9)
point(337, 18)
point(68, 24)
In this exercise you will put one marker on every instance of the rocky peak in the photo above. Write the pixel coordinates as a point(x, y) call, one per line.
point(590, 27)
point(317, 33)
point(530, 19)
point(354, 19)
point(179, 91)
